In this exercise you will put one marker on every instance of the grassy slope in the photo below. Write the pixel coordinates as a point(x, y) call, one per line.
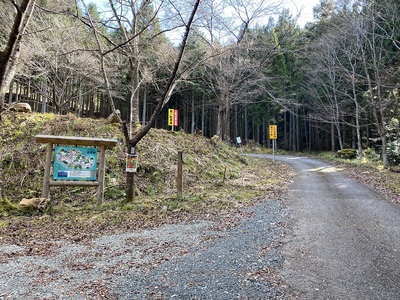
point(217, 179)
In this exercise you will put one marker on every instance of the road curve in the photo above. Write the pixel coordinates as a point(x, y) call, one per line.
point(344, 241)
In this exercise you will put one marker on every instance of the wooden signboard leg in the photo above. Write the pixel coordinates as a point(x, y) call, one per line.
point(46, 177)
point(102, 168)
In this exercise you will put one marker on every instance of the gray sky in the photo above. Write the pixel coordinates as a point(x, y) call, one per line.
point(306, 8)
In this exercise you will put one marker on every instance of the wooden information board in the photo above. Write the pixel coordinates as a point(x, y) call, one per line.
point(51, 140)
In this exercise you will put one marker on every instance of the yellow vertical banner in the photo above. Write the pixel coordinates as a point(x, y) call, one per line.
point(170, 117)
point(273, 132)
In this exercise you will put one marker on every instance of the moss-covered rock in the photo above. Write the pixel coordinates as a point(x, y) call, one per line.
point(347, 153)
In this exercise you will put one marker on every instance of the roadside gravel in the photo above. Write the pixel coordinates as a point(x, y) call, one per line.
point(237, 257)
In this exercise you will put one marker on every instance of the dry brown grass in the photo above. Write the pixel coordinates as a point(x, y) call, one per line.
point(217, 180)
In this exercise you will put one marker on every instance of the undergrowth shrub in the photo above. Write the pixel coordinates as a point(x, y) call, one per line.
point(370, 155)
point(394, 153)
point(347, 153)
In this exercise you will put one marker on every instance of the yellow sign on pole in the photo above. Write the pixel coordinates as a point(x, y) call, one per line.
point(170, 117)
point(273, 132)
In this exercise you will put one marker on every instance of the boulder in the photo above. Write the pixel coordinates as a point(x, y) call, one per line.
point(34, 203)
point(20, 107)
point(112, 118)
point(214, 140)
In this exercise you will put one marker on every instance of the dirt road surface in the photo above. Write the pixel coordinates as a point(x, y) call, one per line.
point(345, 237)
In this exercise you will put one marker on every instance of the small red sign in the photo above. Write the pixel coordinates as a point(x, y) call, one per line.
point(175, 117)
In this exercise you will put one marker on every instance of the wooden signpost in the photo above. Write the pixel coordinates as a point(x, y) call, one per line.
point(76, 160)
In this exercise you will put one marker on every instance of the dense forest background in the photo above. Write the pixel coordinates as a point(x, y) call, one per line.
point(331, 85)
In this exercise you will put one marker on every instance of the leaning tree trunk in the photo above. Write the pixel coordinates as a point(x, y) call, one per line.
point(220, 121)
point(358, 129)
point(1, 181)
point(10, 56)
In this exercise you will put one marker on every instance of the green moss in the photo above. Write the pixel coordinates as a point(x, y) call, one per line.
point(347, 154)
point(6, 206)
point(4, 224)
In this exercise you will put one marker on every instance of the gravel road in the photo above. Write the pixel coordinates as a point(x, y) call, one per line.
point(345, 237)
point(236, 258)
point(332, 239)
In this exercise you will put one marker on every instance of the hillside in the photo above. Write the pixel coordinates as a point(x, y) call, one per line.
point(216, 178)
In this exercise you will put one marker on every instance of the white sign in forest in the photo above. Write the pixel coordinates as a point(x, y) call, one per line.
point(75, 163)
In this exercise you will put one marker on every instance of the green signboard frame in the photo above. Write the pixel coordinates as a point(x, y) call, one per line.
point(75, 163)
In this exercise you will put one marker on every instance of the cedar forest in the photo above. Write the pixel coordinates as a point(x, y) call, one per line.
point(231, 68)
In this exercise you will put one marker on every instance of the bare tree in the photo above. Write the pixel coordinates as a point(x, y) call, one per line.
point(134, 136)
point(9, 56)
point(372, 55)
point(330, 84)
point(349, 65)
point(53, 59)
point(232, 74)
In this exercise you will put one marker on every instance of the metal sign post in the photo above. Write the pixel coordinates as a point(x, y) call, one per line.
point(273, 150)
point(239, 142)
point(273, 135)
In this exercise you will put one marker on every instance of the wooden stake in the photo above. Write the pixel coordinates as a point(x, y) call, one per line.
point(46, 177)
point(179, 179)
point(102, 168)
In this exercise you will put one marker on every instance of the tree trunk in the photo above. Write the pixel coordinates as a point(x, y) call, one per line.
point(357, 116)
point(246, 124)
point(144, 112)
point(11, 91)
point(130, 177)
point(193, 114)
point(285, 132)
point(185, 116)
point(227, 133)
point(202, 117)
point(132, 137)
point(333, 143)
point(10, 56)
point(220, 121)
point(134, 101)
point(292, 126)
point(236, 132)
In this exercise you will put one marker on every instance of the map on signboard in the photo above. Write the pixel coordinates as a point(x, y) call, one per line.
point(75, 163)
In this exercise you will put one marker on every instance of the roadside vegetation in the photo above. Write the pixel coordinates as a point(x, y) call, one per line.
point(217, 179)
point(370, 171)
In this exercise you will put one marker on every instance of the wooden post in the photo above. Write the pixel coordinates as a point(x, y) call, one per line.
point(46, 177)
point(179, 176)
point(102, 168)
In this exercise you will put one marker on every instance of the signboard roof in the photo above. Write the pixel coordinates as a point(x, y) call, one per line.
point(74, 140)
